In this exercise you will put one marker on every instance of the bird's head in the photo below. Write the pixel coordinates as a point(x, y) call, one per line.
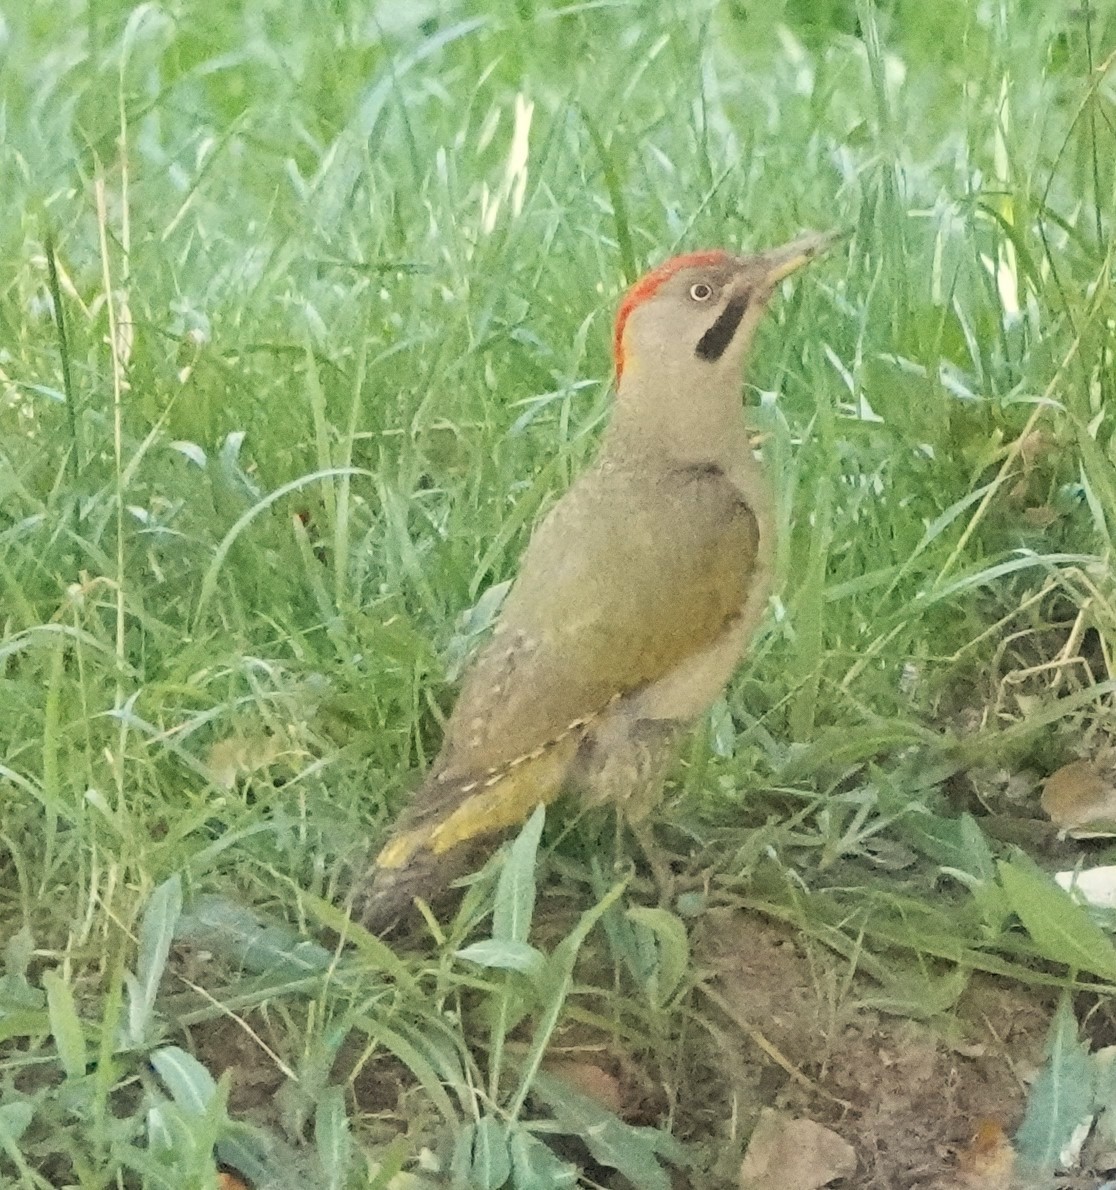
point(695, 315)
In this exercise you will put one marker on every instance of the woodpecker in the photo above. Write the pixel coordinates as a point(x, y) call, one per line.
point(635, 598)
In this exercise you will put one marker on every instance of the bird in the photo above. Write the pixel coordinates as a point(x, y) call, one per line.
point(634, 599)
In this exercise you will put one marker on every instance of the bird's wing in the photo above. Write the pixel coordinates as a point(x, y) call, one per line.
point(603, 604)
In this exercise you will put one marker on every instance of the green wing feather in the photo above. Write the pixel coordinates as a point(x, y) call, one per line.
point(603, 605)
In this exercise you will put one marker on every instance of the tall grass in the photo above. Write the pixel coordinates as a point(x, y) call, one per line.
point(304, 314)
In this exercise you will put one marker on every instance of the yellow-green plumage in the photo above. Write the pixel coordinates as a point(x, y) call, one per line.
point(633, 601)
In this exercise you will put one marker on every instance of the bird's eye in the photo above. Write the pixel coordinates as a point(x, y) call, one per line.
point(700, 291)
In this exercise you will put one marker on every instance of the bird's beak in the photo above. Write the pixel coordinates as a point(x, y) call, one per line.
point(778, 263)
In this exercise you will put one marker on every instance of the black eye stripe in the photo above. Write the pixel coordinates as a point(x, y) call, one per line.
point(714, 343)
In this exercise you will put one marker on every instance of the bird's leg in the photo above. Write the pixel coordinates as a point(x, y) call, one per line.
point(626, 762)
point(657, 860)
point(622, 863)
point(653, 742)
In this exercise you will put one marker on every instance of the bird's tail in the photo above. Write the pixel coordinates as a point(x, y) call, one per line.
point(450, 824)
point(388, 894)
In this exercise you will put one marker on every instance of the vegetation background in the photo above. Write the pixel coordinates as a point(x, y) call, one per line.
point(304, 319)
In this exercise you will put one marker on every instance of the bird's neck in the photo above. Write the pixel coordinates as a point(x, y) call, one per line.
point(656, 418)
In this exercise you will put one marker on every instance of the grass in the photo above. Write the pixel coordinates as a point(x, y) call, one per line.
point(304, 318)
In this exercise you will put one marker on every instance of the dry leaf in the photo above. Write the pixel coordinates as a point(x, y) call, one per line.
point(590, 1080)
point(794, 1155)
point(229, 1181)
point(1036, 446)
point(1033, 448)
point(1041, 516)
point(888, 854)
point(1080, 799)
point(239, 755)
point(989, 1161)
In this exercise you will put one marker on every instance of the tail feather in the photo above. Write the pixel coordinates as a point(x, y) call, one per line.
point(389, 895)
point(450, 826)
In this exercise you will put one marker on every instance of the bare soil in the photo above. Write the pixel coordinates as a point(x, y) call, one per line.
point(908, 1096)
point(776, 1023)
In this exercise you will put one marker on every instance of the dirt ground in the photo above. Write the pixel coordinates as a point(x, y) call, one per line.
point(775, 1025)
point(909, 1097)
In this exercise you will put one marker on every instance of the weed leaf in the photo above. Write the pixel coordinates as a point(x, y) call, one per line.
point(1060, 1106)
point(672, 951)
point(634, 1152)
point(505, 956)
point(190, 1085)
point(491, 1163)
point(234, 932)
point(515, 890)
point(536, 1167)
point(156, 933)
point(1059, 927)
point(332, 1137)
point(65, 1025)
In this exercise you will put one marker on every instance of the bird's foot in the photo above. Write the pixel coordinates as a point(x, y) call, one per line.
point(658, 861)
